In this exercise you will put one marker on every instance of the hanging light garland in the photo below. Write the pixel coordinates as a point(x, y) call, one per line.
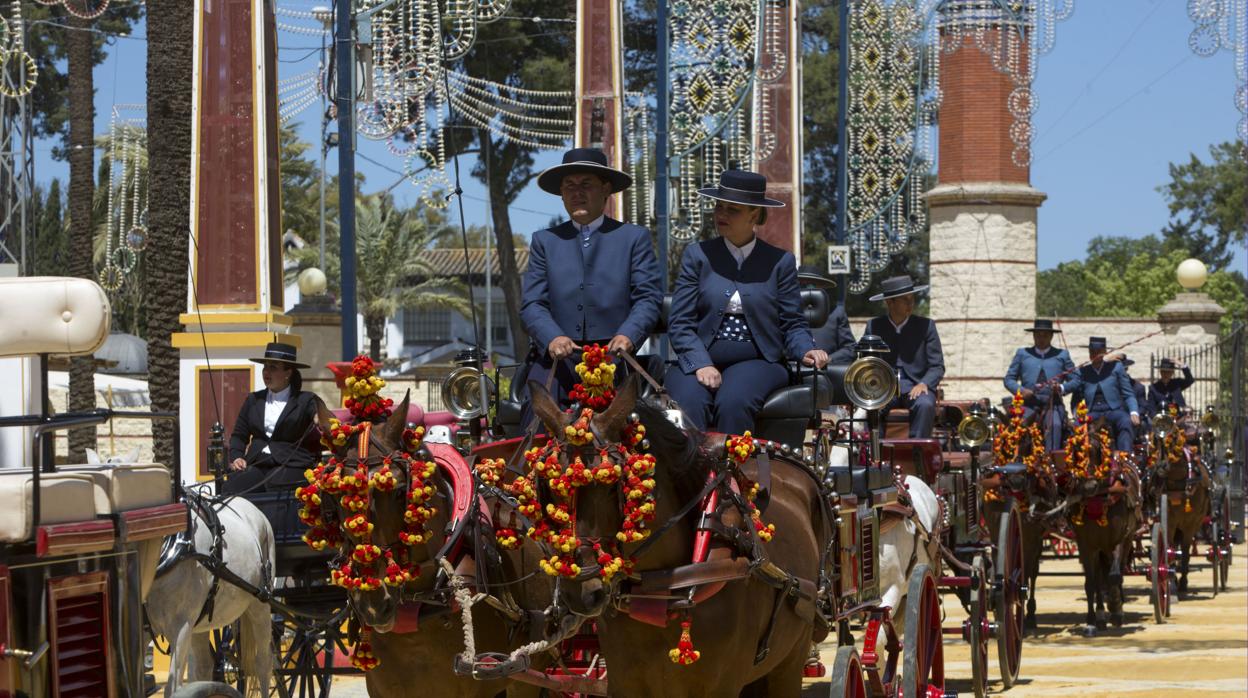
point(125, 234)
point(18, 70)
point(1223, 25)
point(895, 54)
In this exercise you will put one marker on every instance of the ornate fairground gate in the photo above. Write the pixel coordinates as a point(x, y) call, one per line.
point(1220, 397)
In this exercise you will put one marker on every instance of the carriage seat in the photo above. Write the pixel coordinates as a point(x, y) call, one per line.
point(919, 457)
point(67, 498)
point(860, 481)
point(126, 486)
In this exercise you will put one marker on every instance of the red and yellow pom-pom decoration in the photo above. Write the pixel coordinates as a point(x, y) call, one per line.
point(363, 386)
point(1079, 456)
point(684, 653)
point(362, 657)
point(1007, 448)
point(739, 449)
point(597, 371)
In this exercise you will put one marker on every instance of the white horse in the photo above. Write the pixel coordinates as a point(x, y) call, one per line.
point(132, 456)
point(179, 594)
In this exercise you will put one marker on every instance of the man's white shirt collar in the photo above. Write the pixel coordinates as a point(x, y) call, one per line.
point(741, 253)
point(591, 227)
point(895, 325)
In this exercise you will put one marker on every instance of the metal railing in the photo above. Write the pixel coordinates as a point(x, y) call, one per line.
point(1221, 384)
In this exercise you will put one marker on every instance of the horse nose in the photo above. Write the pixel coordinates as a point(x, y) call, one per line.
point(593, 596)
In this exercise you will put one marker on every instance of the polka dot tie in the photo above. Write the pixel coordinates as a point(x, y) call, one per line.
point(734, 329)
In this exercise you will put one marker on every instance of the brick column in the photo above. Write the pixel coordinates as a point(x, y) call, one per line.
point(983, 229)
point(599, 84)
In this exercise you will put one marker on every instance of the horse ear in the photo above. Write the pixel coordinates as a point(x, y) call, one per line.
point(546, 409)
point(392, 430)
point(93, 458)
point(132, 456)
point(611, 422)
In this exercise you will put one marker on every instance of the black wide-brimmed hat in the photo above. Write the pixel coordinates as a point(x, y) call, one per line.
point(810, 275)
point(1167, 364)
point(896, 286)
point(280, 353)
point(1097, 343)
point(741, 187)
point(1042, 326)
point(1125, 361)
point(581, 160)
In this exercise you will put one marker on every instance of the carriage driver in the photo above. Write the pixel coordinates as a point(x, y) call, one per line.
point(1036, 372)
point(274, 438)
point(914, 350)
point(591, 279)
point(1168, 390)
point(1105, 389)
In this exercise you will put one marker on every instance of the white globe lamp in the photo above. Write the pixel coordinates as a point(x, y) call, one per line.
point(1191, 274)
point(312, 282)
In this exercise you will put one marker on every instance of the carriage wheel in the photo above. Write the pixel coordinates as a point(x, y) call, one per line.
point(1168, 555)
point(1215, 554)
point(304, 656)
point(847, 674)
point(227, 662)
point(977, 626)
point(922, 655)
point(1160, 573)
point(1224, 542)
point(1011, 596)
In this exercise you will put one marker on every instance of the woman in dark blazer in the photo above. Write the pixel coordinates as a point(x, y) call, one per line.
point(736, 313)
point(275, 429)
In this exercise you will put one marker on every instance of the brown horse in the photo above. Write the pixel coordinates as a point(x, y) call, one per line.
point(753, 639)
point(1035, 490)
point(416, 630)
point(1183, 486)
point(1104, 512)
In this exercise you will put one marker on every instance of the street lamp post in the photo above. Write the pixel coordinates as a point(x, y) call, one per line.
point(345, 100)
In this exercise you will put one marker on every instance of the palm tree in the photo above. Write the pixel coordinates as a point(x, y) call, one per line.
point(170, 46)
point(81, 194)
point(393, 274)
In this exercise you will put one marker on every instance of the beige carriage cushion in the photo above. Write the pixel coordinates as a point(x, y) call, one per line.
point(126, 486)
point(52, 315)
point(67, 497)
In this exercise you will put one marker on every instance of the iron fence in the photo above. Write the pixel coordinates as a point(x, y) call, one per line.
point(1221, 383)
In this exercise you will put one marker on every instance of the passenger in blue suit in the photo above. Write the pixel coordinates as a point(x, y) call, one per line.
point(736, 313)
point(1042, 373)
point(591, 279)
point(1106, 390)
point(1168, 390)
point(914, 350)
point(834, 337)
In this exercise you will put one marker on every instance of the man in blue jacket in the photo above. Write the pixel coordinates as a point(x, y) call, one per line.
point(1168, 390)
point(914, 350)
point(1106, 390)
point(834, 336)
point(591, 279)
point(1042, 373)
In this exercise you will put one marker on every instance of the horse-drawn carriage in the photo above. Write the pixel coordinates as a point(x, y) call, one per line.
point(78, 543)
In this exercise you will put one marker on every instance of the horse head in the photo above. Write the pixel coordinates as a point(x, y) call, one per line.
point(613, 514)
point(379, 490)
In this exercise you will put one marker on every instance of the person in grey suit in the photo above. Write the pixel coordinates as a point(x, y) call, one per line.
point(834, 337)
point(1106, 390)
point(590, 280)
point(736, 313)
point(1042, 373)
point(914, 350)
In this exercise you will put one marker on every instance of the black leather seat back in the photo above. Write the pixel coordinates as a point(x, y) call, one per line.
point(817, 305)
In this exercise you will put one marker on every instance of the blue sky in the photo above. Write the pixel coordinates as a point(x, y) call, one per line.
point(1119, 98)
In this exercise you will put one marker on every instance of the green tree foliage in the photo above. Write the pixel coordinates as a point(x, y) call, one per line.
point(51, 237)
point(1207, 204)
point(820, 63)
point(394, 274)
point(1129, 277)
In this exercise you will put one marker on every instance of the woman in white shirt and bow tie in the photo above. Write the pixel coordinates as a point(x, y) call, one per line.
point(275, 437)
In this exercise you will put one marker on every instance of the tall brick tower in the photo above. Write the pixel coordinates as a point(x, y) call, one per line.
point(983, 227)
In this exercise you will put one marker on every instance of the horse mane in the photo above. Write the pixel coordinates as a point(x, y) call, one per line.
point(677, 450)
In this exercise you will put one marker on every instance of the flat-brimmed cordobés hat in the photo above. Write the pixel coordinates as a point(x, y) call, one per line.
point(280, 353)
point(808, 275)
point(583, 160)
point(1167, 364)
point(1042, 326)
point(741, 187)
point(1097, 343)
point(896, 287)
